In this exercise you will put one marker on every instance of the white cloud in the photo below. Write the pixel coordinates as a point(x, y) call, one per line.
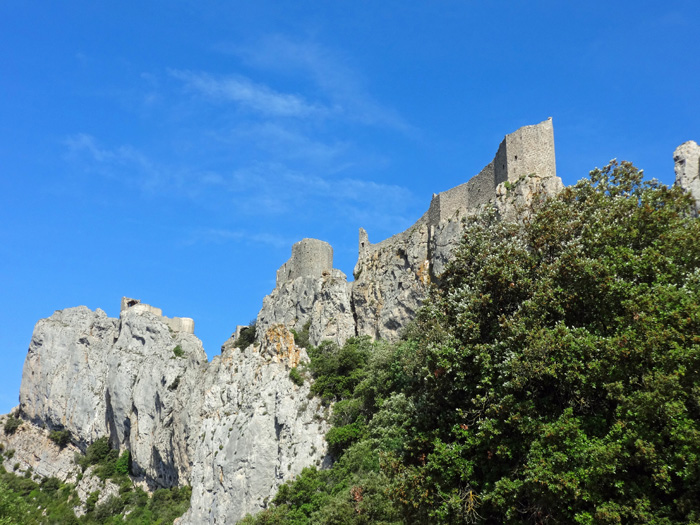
point(344, 86)
point(247, 93)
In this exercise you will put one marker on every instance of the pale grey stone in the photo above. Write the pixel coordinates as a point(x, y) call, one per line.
point(257, 429)
point(97, 376)
point(687, 166)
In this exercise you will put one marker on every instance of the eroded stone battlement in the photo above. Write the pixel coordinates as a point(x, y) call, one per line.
point(310, 258)
point(177, 324)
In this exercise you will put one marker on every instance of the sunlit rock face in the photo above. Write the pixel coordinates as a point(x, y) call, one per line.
point(257, 429)
point(687, 166)
point(237, 428)
point(121, 378)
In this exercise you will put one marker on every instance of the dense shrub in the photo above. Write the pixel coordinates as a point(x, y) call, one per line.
point(246, 336)
point(12, 424)
point(296, 376)
point(301, 338)
point(60, 437)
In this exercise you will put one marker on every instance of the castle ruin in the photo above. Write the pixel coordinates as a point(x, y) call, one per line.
point(392, 276)
point(176, 324)
point(310, 258)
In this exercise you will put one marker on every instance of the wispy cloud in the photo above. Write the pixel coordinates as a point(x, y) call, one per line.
point(344, 86)
point(115, 162)
point(249, 94)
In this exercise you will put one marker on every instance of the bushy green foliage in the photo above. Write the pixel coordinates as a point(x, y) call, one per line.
point(562, 366)
point(178, 351)
point(337, 371)
point(296, 376)
point(246, 336)
point(123, 464)
point(552, 377)
point(24, 501)
point(12, 424)
point(60, 437)
point(301, 338)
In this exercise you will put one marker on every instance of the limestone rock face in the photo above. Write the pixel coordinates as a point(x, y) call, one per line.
point(310, 290)
point(233, 429)
point(391, 280)
point(33, 449)
point(120, 378)
point(513, 200)
point(257, 429)
point(687, 166)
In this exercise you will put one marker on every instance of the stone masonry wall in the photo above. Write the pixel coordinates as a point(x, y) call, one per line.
point(176, 324)
point(310, 258)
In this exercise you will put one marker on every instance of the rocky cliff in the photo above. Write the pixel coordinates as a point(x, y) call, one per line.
point(237, 427)
point(233, 429)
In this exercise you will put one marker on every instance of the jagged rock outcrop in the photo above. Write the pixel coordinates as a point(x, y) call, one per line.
point(310, 290)
point(234, 429)
point(97, 376)
point(257, 429)
point(238, 427)
point(33, 450)
point(687, 165)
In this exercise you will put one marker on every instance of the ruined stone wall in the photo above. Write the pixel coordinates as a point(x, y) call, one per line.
point(310, 258)
point(528, 150)
point(176, 324)
point(309, 290)
point(392, 276)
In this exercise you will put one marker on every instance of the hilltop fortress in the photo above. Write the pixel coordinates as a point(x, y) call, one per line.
point(236, 428)
point(392, 276)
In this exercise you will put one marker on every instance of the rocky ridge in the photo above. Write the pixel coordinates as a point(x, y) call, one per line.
point(236, 428)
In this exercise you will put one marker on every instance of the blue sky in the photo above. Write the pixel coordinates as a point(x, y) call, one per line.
point(174, 151)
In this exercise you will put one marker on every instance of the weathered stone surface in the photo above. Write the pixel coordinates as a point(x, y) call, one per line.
point(391, 280)
point(120, 378)
point(238, 427)
point(234, 429)
point(90, 483)
point(33, 449)
point(257, 429)
point(310, 290)
point(687, 166)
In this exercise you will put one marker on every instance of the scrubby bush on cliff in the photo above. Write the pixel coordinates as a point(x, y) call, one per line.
point(553, 377)
point(247, 336)
point(12, 424)
point(60, 437)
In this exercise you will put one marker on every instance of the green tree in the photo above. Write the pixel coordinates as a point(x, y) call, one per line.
point(561, 366)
